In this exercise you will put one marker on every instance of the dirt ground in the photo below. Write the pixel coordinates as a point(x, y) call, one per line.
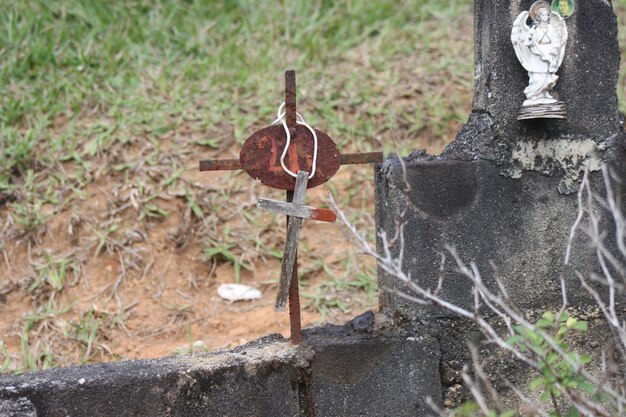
point(114, 249)
point(153, 294)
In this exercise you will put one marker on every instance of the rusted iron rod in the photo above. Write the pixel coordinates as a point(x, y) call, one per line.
point(294, 290)
point(220, 165)
point(294, 308)
point(361, 158)
point(290, 98)
point(291, 245)
point(346, 159)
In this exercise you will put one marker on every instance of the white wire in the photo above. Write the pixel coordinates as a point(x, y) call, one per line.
point(299, 120)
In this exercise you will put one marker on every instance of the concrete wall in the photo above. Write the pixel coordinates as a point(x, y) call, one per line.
point(504, 192)
point(335, 372)
point(520, 225)
point(587, 84)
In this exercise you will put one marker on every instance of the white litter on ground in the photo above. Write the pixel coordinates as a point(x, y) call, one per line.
point(238, 292)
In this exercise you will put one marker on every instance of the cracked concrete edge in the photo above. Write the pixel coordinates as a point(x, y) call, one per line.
point(266, 377)
point(269, 348)
point(165, 385)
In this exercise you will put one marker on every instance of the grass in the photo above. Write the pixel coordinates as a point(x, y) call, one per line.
point(145, 68)
point(54, 272)
point(342, 280)
point(107, 107)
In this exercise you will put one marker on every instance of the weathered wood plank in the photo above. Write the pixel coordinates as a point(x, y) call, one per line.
point(289, 260)
point(300, 188)
point(291, 246)
point(297, 210)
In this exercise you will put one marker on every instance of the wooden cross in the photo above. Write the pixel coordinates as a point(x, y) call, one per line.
point(296, 212)
point(259, 158)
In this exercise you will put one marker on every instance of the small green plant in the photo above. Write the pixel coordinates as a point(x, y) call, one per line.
point(194, 206)
point(352, 277)
point(54, 272)
point(18, 148)
point(559, 367)
point(220, 251)
point(33, 357)
point(322, 301)
point(86, 331)
point(365, 281)
point(559, 370)
point(104, 238)
point(28, 216)
point(152, 211)
point(6, 359)
point(193, 345)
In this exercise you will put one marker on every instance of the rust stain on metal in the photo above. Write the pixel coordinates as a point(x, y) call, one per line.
point(260, 156)
point(220, 165)
point(294, 308)
point(323, 215)
point(361, 158)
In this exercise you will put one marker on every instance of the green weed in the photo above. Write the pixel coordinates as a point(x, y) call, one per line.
point(28, 216)
point(104, 238)
point(557, 372)
point(193, 346)
point(560, 378)
point(322, 301)
point(33, 356)
point(6, 359)
point(151, 210)
point(86, 332)
point(221, 251)
point(54, 272)
point(227, 249)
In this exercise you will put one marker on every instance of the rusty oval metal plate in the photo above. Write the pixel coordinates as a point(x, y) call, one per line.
point(260, 156)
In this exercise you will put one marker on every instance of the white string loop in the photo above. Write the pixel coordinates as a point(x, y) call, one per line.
point(299, 120)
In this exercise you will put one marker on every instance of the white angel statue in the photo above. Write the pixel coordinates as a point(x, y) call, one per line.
point(540, 49)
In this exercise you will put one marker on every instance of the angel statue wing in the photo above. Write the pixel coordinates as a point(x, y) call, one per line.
point(558, 23)
point(532, 50)
point(519, 35)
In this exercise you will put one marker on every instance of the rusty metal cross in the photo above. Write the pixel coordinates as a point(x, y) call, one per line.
point(259, 158)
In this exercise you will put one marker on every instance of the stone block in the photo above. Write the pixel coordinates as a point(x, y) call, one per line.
point(521, 225)
point(253, 380)
point(19, 406)
point(375, 376)
point(337, 371)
